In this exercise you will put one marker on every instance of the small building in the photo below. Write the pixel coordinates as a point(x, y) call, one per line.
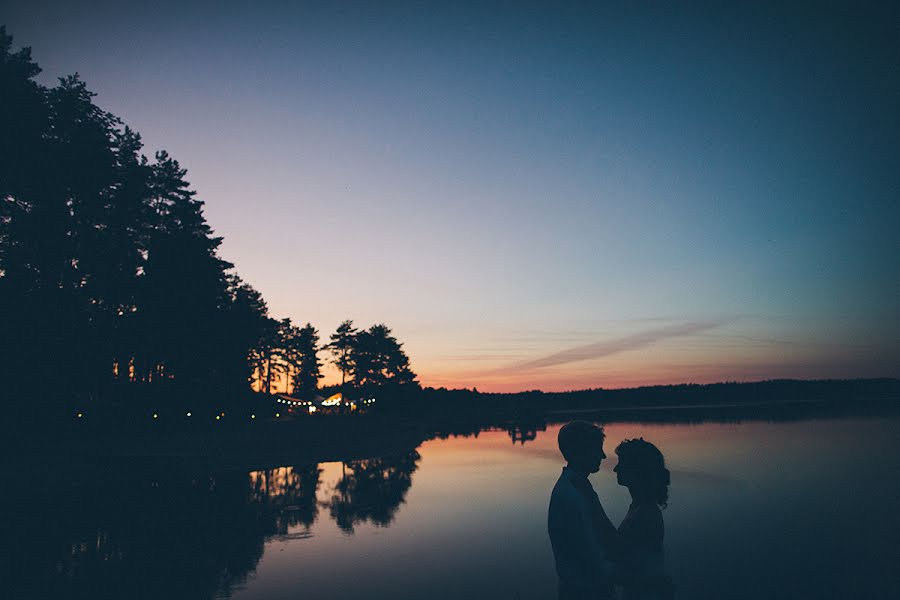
point(332, 404)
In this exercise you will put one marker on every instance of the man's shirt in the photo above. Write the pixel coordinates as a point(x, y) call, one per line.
point(578, 525)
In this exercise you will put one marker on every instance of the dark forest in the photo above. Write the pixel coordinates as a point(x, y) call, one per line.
point(111, 281)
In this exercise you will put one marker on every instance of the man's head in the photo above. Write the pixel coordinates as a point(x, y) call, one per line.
point(581, 444)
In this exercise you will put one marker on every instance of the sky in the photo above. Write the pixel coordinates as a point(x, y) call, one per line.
point(544, 196)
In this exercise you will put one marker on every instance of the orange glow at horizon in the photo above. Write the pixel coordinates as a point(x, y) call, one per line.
point(281, 383)
point(731, 352)
point(665, 364)
point(637, 372)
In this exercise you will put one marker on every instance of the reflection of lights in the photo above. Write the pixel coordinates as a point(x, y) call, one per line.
point(312, 409)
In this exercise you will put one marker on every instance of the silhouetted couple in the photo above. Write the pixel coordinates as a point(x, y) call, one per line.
point(592, 556)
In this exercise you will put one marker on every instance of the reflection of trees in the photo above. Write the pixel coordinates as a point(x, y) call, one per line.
point(288, 495)
point(147, 531)
point(169, 530)
point(467, 430)
point(521, 429)
point(525, 431)
point(372, 490)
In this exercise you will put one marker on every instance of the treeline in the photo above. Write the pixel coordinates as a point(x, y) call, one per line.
point(110, 274)
point(849, 392)
point(368, 359)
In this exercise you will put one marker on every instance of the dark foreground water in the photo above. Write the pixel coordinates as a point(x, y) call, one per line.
point(804, 509)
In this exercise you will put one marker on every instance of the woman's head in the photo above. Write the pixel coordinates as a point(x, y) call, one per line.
point(642, 469)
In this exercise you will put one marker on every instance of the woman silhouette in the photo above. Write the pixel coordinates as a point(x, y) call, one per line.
point(642, 469)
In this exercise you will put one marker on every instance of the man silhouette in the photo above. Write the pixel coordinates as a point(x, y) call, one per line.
point(581, 534)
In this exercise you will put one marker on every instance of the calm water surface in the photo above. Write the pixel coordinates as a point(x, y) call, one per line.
point(756, 510)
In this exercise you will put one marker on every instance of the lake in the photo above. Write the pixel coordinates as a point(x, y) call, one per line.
point(757, 509)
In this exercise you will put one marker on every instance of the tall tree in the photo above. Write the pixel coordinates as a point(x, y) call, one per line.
point(185, 283)
point(24, 120)
point(52, 228)
point(115, 258)
point(379, 360)
point(246, 321)
point(279, 363)
point(265, 354)
point(340, 347)
point(305, 344)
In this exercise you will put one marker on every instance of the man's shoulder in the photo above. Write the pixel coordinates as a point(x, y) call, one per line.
point(563, 481)
point(565, 489)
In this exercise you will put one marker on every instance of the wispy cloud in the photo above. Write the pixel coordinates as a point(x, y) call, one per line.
point(609, 347)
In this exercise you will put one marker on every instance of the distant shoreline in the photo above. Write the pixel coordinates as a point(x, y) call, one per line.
point(451, 413)
point(743, 394)
point(761, 404)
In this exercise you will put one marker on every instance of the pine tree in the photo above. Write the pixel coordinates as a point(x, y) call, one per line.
point(340, 347)
point(379, 360)
point(305, 344)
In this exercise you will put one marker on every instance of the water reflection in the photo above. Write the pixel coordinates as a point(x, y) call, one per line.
point(153, 530)
point(288, 495)
point(526, 426)
point(452, 515)
point(97, 532)
point(525, 431)
point(371, 490)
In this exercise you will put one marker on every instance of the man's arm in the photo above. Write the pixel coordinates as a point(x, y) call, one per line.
point(572, 534)
point(605, 530)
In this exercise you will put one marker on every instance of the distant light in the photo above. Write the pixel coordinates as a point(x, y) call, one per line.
point(252, 416)
point(80, 415)
point(312, 409)
point(218, 417)
point(155, 416)
point(188, 414)
point(277, 415)
point(222, 414)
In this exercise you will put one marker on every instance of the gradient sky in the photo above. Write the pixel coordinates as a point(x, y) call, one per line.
point(530, 195)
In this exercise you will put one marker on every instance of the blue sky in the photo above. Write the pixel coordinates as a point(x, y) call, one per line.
point(504, 182)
